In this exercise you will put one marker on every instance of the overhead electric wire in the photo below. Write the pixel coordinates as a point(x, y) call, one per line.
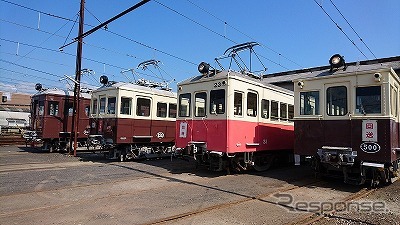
point(340, 29)
point(352, 28)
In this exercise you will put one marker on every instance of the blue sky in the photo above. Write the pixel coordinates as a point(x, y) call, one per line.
point(292, 34)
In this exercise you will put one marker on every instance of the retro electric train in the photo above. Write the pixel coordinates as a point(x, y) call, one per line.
point(233, 120)
point(347, 121)
point(133, 120)
point(52, 115)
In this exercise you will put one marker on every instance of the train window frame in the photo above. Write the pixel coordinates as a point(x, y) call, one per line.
point(111, 105)
point(94, 106)
point(196, 107)
point(290, 112)
point(102, 105)
point(87, 110)
point(265, 111)
point(238, 104)
point(331, 97)
point(310, 111)
point(69, 109)
point(41, 108)
point(126, 109)
point(394, 99)
point(141, 108)
point(272, 114)
point(252, 104)
point(172, 111)
point(185, 111)
point(162, 108)
point(53, 108)
point(283, 111)
point(217, 101)
point(366, 92)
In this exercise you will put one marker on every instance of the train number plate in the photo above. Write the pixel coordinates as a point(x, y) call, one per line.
point(370, 147)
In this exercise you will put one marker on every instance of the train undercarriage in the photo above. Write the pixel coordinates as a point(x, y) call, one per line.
point(343, 162)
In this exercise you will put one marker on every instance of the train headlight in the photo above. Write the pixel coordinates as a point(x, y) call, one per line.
point(337, 61)
point(203, 67)
point(300, 84)
point(377, 77)
point(38, 87)
point(104, 79)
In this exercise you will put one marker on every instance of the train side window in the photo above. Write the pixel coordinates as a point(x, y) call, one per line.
point(184, 105)
point(41, 108)
point(172, 110)
point(94, 106)
point(238, 104)
point(283, 109)
point(143, 107)
point(217, 101)
point(70, 108)
point(336, 101)
point(126, 104)
point(111, 105)
point(290, 112)
point(102, 105)
point(161, 109)
point(394, 100)
point(265, 109)
point(200, 100)
point(368, 100)
point(274, 110)
point(87, 110)
point(309, 103)
point(252, 104)
point(53, 108)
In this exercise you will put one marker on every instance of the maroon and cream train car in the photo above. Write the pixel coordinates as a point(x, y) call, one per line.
point(52, 115)
point(133, 120)
point(235, 120)
point(347, 121)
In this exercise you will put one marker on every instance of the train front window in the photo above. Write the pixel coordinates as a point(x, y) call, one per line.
point(161, 109)
point(238, 104)
point(252, 104)
point(184, 105)
point(41, 108)
point(102, 105)
point(200, 104)
point(94, 107)
point(172, 110)
point(309, 103)
point(217, 101)
point(53, 108)
point(111, 105)
point(336, 101)
point(143, 107)
point(126, 105)
point(368, 100)
point(393, 102)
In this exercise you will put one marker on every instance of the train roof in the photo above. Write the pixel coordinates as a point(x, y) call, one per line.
point(221, 74)
point(61, 93)
point(376, 64)
point(131, 86)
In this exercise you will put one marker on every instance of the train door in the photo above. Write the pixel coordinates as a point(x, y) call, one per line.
point(337, 119)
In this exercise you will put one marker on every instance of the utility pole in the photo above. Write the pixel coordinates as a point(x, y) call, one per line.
point(78, 68)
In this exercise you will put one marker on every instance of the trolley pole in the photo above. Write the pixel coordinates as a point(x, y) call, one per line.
point(78, 66)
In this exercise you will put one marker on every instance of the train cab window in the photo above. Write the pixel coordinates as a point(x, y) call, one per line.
point(217, 101)
point(87, 110)
point(252, 104)
point(200, 104)
point(143, 107)
point(274, 110)
point(94, 106)
point(265, 109)
point(70, 108)
point(309, 103)
point(283, 109)
point(368, 100)
point(126, 104)
point(161, 109)
point(290, 112)
point(102, 105)
point(394, 100)
point(238, 104)
point(184, 105)
point(172, 110)
point(41, 108)
point(53, 108)
point(111, 105)
point(336, 101)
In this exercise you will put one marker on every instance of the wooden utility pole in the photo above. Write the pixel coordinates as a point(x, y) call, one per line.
point(78, 70)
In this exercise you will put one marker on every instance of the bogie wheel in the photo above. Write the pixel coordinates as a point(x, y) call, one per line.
point(263, 162)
